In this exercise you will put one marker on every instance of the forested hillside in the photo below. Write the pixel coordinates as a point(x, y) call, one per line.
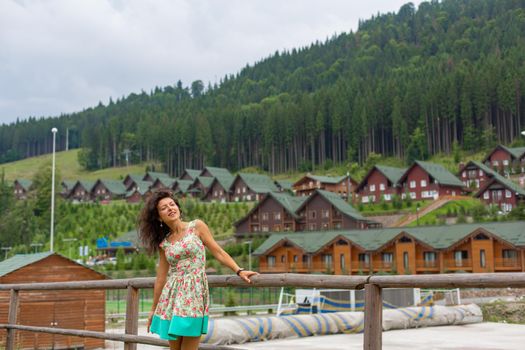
point(408, 84)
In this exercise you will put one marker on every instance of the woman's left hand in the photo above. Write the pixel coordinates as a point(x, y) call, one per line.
point(245, 275)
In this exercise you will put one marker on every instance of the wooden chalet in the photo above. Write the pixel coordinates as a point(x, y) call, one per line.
point(81, 191)
point(210, 171)
point(219, 189)
point(284, 185)
point(251, 187)
point(189, 174)
point(21, 188)
point(181, 187)
point(140, 185)
point(77, 309)
point(67, 186)
point(152, 176)
point(137, 195)
point(199, 186)
point(501, 192)
point(474, 175)
point(485, 247)
point(424, 180)
point(506, 160)
point(162, 183)
point(380, 183)
point(325, 210)
point(275, 212)
point(343, 185)
point(132, 180)
point(129, 242)
point(108, 190)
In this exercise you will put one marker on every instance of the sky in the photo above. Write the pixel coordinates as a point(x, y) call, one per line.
point(62, 56)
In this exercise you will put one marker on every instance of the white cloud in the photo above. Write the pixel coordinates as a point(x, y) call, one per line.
point(60, 56)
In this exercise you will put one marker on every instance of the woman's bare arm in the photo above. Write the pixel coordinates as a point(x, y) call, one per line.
point(219, 253)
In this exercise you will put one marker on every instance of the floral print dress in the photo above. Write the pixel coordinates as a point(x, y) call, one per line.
point(182, 309)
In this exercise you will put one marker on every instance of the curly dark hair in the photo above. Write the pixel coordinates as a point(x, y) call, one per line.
point(151, 233)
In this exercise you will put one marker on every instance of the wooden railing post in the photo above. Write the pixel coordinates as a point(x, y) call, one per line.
point(132, 316)
point(11, 319)
point(373, 317)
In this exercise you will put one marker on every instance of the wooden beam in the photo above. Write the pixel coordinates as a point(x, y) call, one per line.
point(132, 313)
point(108, 336)
point(478, 280)
point(373, 317)
point(11, 319)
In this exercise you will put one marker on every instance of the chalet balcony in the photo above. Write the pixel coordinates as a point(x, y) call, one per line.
point(360, 266)
point(384, 266)
point(458, 264)
point(427, 265)
point(506, 264)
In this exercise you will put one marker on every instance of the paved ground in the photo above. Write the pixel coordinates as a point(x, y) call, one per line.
point(480, 336)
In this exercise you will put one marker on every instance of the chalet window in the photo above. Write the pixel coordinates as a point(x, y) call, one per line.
point(423, 183)
point(482, 258)
point(265, 216)
point(381, 186)
point(248, 197)
point(312, 226)
point(341, 242)
point(508, 194)
point(318, 183)
point(327, 259)
point(337, 225)
point(311, 184)
point(325, 213)
point(255, 228)
point(271, 260)
point(486, 195)
point(405, 239)
point(496, 195)
point(413, 195)
point(283, 259)
point(287, 227)
point(413, 184)
point(363, 257)
point(364, 199)
point(509, 254)
point(265, 228)
point(255, 216)
point(342, 263)
point(277, 228)
point(238, 190)
point(464, 174)
point(295, 258)
point(373, 198)
point(477, 183)
point(459, 256)
point(481, 237)
point(372, 187)
point(495, 163)
point(429, 258)
point(480, 172)
point(306, 259)
point(277, 215)
point(505, 162)
point(215, 193)
point(244, 190)
point(313, 214)
point(387, 257)
point(405, 260)
point(324, 226)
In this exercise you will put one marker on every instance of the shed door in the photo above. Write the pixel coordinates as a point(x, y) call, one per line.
point(38, 314)
point(69, 314)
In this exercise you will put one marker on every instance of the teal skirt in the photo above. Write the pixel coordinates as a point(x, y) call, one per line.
point(179, 327)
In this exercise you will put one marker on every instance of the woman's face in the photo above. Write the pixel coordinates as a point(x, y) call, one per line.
point(168, 210)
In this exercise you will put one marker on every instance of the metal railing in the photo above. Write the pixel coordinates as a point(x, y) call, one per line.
point(372, 285)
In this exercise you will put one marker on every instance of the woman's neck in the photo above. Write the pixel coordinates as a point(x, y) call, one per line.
point(177, 227)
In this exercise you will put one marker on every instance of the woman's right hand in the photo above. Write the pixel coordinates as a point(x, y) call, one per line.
point(148, 324)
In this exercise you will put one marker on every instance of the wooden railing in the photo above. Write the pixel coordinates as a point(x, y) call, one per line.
point(372, 284)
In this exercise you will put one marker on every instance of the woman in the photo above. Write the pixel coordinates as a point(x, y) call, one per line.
point(180, 297)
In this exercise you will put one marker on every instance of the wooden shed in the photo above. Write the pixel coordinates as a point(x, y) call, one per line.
point(75, 309)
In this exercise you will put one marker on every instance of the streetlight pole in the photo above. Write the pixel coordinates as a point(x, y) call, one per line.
point(249, 254)
point(52, 230)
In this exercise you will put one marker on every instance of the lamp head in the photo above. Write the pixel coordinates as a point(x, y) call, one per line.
point(54, 130)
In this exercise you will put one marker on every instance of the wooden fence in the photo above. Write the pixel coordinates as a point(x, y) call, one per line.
point(372, 285)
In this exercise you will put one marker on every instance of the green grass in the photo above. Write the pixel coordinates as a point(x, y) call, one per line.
point(455, 208)
point(379, 209)
point(68, 167)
